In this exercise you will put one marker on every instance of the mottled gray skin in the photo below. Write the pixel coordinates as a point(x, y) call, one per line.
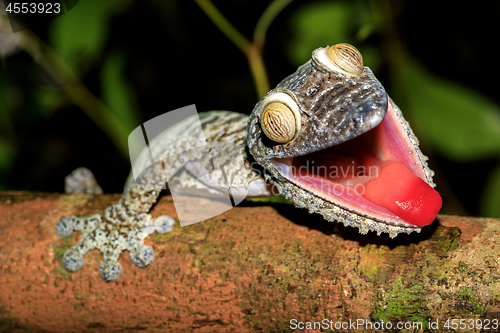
point(81, 180)
point(334, 108)
point(125, 224)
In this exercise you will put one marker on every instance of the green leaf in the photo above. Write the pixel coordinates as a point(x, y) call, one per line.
point(460, 124)
point(273, 199)
point(7, 154)
point(490, 203)
point(8, 139)
point(80, 34)
point(50, 100)
point(117, 95)
point(320, 24)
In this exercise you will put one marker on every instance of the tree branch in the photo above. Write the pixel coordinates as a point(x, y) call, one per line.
point(253, 268)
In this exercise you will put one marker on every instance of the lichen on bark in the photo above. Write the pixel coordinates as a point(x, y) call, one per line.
point(253, 268)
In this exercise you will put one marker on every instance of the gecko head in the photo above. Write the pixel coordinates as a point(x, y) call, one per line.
point(333, 142)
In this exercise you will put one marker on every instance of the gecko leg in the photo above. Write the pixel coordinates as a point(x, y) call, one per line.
point(122, 226)
point(125, 224)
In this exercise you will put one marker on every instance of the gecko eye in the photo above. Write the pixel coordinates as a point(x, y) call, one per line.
point(343, 58)
point(280, 118)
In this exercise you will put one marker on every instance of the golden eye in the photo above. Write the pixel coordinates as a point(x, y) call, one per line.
point(280, 118)
point(278, 122)
point(347, 58)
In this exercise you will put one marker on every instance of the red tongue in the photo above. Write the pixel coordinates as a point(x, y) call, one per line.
point(405, 194)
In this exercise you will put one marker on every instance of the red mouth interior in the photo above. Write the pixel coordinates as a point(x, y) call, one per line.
point(377, 173)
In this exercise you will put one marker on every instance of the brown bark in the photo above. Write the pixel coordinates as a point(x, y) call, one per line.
point(253, 268)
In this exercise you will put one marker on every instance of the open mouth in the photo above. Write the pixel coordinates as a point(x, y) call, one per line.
point(377, 174)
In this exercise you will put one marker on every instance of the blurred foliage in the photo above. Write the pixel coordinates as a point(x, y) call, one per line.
point(80, 35)
point(308, 27)
point(489, 205)
point(144, 58)
point(115, 91)
point(458, 122)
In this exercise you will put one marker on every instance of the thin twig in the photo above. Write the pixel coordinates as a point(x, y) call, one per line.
point(224, 25)
point(74, 88)
point(259, 73)
point(252, 50)
point(259, 34)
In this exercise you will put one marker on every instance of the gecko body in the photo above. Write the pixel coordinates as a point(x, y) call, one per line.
point(322, 115)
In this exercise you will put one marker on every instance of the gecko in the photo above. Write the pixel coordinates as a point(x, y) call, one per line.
point(327, 137)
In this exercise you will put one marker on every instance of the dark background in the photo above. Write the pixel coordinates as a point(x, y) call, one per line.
point(175, 56)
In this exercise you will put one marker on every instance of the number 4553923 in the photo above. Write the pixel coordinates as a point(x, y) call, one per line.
point(32, 8)
point(485, 324)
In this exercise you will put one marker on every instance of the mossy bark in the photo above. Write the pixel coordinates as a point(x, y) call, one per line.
point(257, 267)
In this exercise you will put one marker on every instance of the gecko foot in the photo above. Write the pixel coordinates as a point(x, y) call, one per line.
point(143, 256)
point(122, 226)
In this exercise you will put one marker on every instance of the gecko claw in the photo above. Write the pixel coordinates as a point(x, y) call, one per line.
point(143, 257)
point(164, 224)
point(110, 270)
point(65, 226)
point(72, 260)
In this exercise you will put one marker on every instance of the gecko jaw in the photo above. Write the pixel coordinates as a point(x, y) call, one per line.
point(342, 173)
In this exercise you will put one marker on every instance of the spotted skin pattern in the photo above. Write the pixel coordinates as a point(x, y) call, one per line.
point(334, 109)
point(125, 224)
